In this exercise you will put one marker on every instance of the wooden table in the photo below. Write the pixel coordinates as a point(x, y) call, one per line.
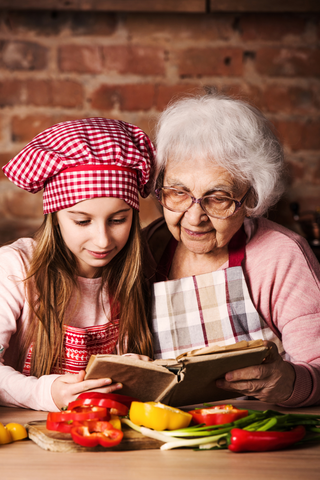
point(24, 460)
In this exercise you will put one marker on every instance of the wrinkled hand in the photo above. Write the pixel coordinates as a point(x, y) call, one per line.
point(66, 388)
point(272, 381)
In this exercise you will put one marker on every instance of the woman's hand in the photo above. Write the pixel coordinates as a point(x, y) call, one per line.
point(65, 389)
point(272, 381)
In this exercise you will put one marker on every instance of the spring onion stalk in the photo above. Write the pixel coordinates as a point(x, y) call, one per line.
point(196, 442)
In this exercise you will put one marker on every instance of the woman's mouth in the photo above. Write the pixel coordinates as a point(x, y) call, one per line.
point(194, 234)
point(99, 254)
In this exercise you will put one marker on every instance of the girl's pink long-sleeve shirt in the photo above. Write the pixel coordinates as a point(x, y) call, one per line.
point(87, 310)
point(283, 278)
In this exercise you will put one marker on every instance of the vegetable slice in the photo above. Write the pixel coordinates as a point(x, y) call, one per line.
point(92, 433)
point(217, 415)
point(158, 416)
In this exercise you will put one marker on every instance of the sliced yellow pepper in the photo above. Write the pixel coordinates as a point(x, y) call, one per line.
point(158, 416)
point(5, 435)
point(115, 422)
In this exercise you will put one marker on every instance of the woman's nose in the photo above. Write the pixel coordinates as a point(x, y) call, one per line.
point(196, 214)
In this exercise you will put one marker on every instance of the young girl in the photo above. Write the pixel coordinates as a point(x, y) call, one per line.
point(76, 289)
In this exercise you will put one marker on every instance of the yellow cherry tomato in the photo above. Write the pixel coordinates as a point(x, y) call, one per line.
point(18, 432)
point(158, 416)
point(5, 435)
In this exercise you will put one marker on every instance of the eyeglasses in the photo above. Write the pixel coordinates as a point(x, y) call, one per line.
point(217, 206)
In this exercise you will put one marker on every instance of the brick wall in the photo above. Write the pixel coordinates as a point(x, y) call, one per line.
point(57, 66)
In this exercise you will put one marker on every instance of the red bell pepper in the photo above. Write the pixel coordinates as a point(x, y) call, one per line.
point(217, 415)
point(64, 427)
point(115, 408)
point(79, 413)
point(92, 433)
point(124, 399)
point(245, 441)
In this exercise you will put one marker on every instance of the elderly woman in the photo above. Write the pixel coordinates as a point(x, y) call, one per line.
point(222, 272)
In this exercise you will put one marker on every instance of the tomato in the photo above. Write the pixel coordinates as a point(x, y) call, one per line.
point(114, 407)
point(79, 413)
point(217, 415)
point(92, 433)
point(5, 435)
point(124, 399)
point(18, 432)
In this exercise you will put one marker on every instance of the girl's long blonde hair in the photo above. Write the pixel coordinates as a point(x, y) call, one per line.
point(52, 280)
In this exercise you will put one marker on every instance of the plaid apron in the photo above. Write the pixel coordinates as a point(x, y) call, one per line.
point(80, 344)
point(205, 310)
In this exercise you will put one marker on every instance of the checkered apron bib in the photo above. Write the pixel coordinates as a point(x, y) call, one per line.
point(205, 310)
point(80, 344)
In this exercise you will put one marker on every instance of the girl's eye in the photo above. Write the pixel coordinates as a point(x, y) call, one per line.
point(117, 221)
point(82, 223)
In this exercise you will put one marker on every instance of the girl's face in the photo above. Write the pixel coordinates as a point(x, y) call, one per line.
point(95, 231)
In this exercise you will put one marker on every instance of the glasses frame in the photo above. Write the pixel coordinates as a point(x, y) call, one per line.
point(238, 203)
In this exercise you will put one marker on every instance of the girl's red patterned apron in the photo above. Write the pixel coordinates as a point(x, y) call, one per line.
point(80, 344)
point(205, 310)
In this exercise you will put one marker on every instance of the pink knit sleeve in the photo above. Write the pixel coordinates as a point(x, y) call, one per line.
point(283, 278)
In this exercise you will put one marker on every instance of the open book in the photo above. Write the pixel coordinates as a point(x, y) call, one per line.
point(189, 379)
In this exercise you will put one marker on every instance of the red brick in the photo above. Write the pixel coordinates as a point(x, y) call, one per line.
point(290, 99)
point(288, 62)
point(125, 97)
point(167, 27)
point(59, 93)
point(47, 23)
point(18, 55)
point(139, 60)
point(12, 92)
point(270, 26)
point(166, 93)
point(80, 58)
point(299, 134)
point(23, 129)
point(198, 62)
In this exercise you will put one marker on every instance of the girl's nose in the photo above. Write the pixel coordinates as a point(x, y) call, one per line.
point(101, 238)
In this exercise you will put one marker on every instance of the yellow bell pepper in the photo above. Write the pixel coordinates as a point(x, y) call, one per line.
point(115, 422)
point(158, 416)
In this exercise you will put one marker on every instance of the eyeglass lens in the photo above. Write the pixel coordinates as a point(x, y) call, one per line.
point(180, 201)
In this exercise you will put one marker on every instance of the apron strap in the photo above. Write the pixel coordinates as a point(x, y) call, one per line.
point(237, 247)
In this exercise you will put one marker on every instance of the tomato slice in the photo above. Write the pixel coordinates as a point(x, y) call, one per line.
point(124, 399)
point(115, 408)
point(92, 433)
point(217, 415)
point(79, 413)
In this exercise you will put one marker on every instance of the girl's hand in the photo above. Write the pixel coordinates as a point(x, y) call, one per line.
point(66, 388)
point(272, 381)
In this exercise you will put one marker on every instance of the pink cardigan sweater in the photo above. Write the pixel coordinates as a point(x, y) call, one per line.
point(283, 278)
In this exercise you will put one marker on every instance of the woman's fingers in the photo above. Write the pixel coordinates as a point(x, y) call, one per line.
point(272, 381)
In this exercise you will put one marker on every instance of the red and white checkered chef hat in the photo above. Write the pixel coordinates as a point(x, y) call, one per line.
point(81, 159)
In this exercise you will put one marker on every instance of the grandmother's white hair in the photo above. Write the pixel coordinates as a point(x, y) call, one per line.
point(230, 132)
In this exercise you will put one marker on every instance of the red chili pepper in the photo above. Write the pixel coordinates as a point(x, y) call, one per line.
point(217, 415)
point(124, 399)
point(244, 441)
point(115, 408)
point(79, 413)
point(92, 433)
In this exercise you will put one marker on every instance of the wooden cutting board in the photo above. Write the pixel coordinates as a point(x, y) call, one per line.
point(62, 442)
